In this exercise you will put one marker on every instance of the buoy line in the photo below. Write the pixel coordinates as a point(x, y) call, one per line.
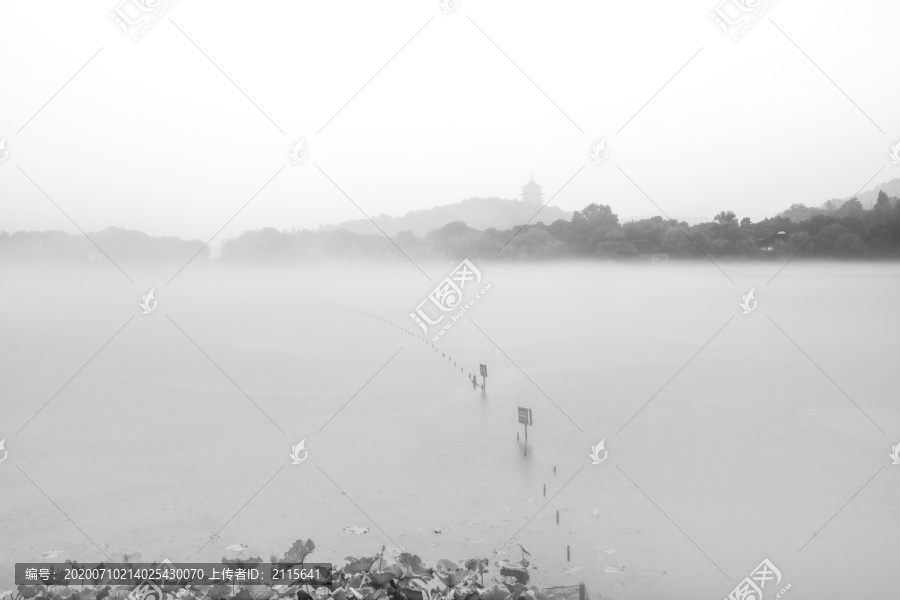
point(401, 327)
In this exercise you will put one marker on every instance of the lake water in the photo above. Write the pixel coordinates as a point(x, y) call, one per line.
point(747, 448)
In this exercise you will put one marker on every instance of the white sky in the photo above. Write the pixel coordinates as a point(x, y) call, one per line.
point(152, 136)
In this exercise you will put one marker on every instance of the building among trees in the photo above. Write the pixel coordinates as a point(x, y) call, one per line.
point(531, 191)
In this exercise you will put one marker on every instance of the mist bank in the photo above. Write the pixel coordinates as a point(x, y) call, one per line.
point(839, 231)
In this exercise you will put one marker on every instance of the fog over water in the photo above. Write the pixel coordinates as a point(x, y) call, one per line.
point(747, 444)
point(223, 224)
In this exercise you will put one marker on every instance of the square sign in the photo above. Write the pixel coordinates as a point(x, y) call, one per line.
point(483, 370)
point(525, 416)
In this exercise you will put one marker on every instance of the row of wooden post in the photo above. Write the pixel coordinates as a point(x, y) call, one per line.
point(525, 420)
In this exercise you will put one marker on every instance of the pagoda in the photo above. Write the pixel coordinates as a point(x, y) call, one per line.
point(531, 192)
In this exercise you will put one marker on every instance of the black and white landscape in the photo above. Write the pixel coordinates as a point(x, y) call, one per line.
point(494, 301)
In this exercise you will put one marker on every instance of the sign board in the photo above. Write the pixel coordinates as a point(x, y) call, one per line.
point(483, 370)
point(525, 416)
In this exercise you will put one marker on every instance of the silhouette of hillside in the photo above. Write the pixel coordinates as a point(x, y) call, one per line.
point(480, 213)
point(839, 229)
point(35, 247)
point(891, 188)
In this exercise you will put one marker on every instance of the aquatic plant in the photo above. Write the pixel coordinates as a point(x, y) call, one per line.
point(391, 576)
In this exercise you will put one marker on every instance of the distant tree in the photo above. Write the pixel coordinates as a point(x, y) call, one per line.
point(591, 226)
point(798, 212)
point(596, 214)
point(614, 244)
point(800, 241)
point(852, 209)
point(455, 240)
point(849, 245)
point(831, 205)
point(646, 235)
point(882, 208)
point(407, 240)
point(560, 229)
point(536, 242)
point(726, 216)
point(772, 225)
point(839, 229)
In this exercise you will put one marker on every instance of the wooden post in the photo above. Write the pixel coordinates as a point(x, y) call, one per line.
point(557, 517)
point(545, 490)
point(568, 554)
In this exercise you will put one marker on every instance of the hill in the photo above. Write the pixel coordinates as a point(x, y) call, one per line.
point(891, 188)
point(479, 213)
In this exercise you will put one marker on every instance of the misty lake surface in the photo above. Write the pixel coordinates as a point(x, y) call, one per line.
point(731, 437)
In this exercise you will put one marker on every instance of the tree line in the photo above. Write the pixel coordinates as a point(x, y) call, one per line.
point(836, 230)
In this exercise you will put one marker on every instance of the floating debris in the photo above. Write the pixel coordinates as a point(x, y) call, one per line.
point(572, 570)
point(616, 569)
point(355, 530)
point(596, 512)
point(237, 547)
point(50, 554)
point(440, 530)
point(606, 549)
